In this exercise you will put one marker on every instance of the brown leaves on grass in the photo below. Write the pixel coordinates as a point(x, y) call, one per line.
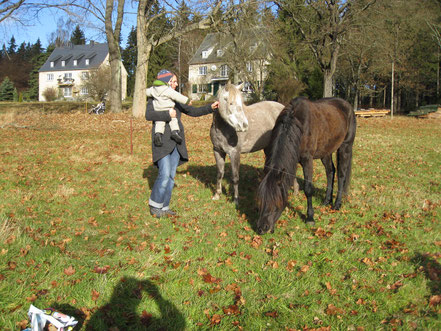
point(95, 295)
point(333, 310)
point(69, 271)
point(435, 300)
point(208, 278)
point(101, 270)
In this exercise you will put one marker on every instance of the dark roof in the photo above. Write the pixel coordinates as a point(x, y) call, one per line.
point(215, 42)
point(211, 40)
point(95, 52)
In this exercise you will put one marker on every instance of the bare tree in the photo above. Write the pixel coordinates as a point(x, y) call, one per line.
point(8, 8)
point(209, 14)
point(322, 25)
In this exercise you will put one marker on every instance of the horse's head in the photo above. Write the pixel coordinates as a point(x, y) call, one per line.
point(231, 107)
point(271, 200)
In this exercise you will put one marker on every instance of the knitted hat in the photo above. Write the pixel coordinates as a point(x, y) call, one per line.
point(164, 76)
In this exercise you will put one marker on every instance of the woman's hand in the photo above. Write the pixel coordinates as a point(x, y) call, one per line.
point(215, 105)
point(172, 112)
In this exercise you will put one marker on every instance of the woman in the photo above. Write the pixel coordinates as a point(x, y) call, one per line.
point(171, 154)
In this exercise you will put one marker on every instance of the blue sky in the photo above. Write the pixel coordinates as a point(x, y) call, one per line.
point(47, 24)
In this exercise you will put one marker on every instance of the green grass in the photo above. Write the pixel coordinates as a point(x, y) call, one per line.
point(76, 235)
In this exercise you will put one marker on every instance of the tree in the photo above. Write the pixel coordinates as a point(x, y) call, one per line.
point(98, 83)
point(12, 47)
point(9, 7)
point(6, 90)
point(322, 25)
point(78, 37)
point(128, 57)
point(113, 33)
point(150, 35)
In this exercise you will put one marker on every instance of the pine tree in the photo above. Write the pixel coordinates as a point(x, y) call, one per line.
point(128, 57)
point(12, 46)
point(6, 90)
point(37, 61)
point(78, 37)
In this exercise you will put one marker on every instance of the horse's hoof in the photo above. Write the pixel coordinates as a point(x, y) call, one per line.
point(310, 222)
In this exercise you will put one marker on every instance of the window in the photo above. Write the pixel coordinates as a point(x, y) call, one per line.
point(75, 63)
point(52, 64)
point(63, 63)
point(84, 75)
point(84, 91)
point(50, 77)
point(220, 52)
point(203, 70)
point(224, 70)
point(204, 88)
point(67, 75)
point(204, 54)
point(67, 92)
point(87, 62)
point(249, 67)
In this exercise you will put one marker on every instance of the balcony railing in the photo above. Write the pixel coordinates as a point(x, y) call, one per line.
point(65, 81)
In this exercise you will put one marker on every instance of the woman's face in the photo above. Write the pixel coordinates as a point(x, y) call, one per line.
point(173, 83)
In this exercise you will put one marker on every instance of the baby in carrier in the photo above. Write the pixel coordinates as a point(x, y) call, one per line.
point(164, 98)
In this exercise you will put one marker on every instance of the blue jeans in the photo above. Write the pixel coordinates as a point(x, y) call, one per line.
point(164, 183)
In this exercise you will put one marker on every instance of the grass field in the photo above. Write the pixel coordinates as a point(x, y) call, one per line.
point(76, 235)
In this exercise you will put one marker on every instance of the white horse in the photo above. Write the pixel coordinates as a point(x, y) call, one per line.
point(237, 129)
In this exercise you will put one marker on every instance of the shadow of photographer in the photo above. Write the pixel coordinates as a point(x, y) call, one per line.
point(120, 313)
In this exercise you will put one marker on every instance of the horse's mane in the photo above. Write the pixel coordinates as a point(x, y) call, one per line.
point(233, 92)
point(285, 143)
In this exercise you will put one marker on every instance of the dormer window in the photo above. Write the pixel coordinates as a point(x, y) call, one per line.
point(52, 64)
point(204, 54)
point(87, 62)
point(63, 63)
point(75, 63)
point(220, 52)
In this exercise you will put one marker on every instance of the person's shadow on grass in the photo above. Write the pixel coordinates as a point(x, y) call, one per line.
point(121, 311)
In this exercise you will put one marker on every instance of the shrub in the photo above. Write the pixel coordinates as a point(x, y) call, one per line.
point(50, 94)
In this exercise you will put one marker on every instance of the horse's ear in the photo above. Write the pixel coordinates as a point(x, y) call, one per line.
point(240, 86)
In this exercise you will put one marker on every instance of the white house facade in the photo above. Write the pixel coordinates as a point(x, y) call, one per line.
point(208, 68)
point(68, 67)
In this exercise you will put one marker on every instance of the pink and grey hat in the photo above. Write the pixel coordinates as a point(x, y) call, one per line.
point(164, 76)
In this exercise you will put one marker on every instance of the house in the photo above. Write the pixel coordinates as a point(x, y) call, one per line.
point(216, 62)
point(68, 67)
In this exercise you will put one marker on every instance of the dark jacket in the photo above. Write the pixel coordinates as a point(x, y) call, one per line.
point(169, 144)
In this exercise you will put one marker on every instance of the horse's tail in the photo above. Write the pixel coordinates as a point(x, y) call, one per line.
point(349, 139)
point(283, 156)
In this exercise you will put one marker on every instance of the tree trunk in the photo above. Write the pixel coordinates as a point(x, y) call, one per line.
point(142, 61)
point(392, 98)
point(327, 83)
point(113, 35)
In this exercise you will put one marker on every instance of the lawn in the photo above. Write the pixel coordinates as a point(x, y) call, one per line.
point(76, 234)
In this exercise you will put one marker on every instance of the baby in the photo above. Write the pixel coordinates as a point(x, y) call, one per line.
point(164, 97)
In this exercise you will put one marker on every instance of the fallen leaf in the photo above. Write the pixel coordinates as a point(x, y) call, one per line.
point(101, 270)
point(95, 295)
point(333, 310)
point(435, 300)
point(272, 314)
point(69, 271)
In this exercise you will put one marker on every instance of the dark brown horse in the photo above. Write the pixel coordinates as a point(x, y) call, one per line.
point(304, 131)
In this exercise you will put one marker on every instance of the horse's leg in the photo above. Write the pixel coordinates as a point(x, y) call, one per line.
point(235, 165)
point(330, 174)
point(344, 164)
point(309, 189)
point(220, 165)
